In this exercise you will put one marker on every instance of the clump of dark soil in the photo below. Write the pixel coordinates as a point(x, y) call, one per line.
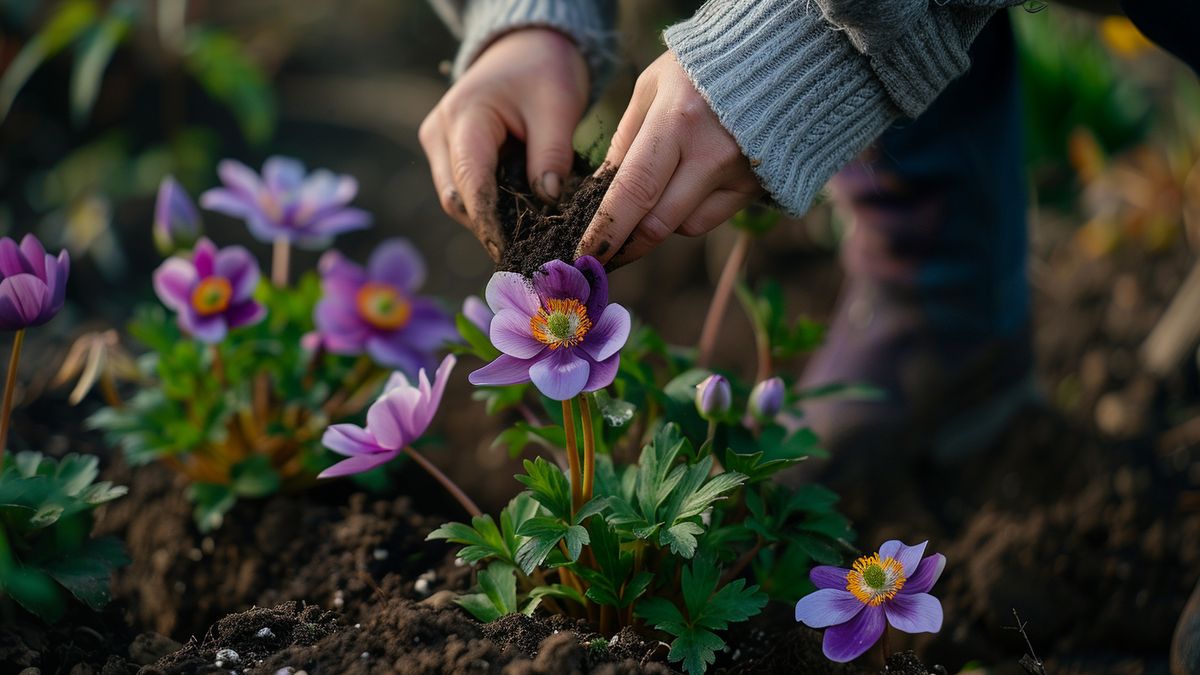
point(536, 232)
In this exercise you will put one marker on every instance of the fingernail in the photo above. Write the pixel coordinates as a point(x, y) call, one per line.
point(455, 200)
point(551, 185)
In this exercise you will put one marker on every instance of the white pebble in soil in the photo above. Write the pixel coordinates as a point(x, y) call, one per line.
point(424, 583)
point(227, 657)
point(380, 554)
point(286, 670)
point(339, 599)
point(265, 633)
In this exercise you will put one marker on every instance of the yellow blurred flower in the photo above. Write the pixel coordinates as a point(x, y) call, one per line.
point(1123, 38)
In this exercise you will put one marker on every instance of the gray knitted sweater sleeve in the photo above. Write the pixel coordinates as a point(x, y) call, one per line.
point(802, 85)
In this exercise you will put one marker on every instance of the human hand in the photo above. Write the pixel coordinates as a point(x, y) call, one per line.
point(531, 83)
point(678, 170)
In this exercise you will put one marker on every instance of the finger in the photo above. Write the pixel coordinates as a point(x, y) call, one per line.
point(691, 184)
point(433, 141)
point(717, 208)
point(474, 146)
point(549, 150)
point(631, 120)
point(635, 190)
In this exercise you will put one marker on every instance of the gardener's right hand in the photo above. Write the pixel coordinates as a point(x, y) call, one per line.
point(531, 83)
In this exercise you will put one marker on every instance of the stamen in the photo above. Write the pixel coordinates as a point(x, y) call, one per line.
point(382, 306)
point(874, 581)
point(211, 296)
point(563, 322)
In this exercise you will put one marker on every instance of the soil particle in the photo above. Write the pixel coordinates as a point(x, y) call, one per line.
point(536, 232)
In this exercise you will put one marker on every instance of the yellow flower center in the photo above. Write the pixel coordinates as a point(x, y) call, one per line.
point(211, 296)
point(382, 306)
point(561, 323)
point(874, 581)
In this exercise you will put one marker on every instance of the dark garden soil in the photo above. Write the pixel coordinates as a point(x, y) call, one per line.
point(1085, 518)
point(535, 231)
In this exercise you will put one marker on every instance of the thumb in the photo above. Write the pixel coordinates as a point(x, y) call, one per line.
point(549, 149)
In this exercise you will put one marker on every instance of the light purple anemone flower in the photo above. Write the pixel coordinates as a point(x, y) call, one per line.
point(558, 331)
point(176, 220)
point(856, 605)
point(376, 309)
point(212, 292)
point(306, 210)
point(33, 283)
point(397, 418)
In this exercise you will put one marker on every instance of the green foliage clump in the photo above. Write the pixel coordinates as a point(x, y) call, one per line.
point(46, 552)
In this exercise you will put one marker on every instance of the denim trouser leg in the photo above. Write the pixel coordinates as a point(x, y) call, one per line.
point(938, 205)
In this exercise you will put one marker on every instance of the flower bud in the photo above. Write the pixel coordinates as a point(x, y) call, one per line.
point(478, 313)
point(176, 220)
point(713, 397)
point(766, 400)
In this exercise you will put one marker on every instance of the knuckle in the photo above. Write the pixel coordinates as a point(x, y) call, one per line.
point(552, 158)
point(691, 228)
point(653, 229)
point(637, 185)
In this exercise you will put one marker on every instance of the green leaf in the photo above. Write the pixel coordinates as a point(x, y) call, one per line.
point(591, 508)
point(576, 538)
point(480, 344)
point(549, 487)
point(69, 20)
point(499, 584)
point(681, 538)
point(480, 606)
point(543, 534)
point(94, 55)
point(86, 573)
point(211, 502)
point(616, 413)
point(696, 648)
point(225, 71)
point(36, 591)
point(254, 477)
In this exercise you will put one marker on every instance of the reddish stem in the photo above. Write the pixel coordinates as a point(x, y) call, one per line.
point(10, 386)
point(442, 478)
point(720, 299)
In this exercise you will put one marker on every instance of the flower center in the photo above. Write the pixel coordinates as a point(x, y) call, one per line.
point(211, 296)
point(874, 581)
point(382, 306)
point(561, 323)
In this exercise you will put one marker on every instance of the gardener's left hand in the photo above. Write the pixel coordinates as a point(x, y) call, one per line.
point(678, 170)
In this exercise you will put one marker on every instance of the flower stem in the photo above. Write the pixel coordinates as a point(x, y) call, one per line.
point(10, 385)
point(281, 255)
point(442, 478)
point(572, 457)
point(720, 299)
point(589, 449)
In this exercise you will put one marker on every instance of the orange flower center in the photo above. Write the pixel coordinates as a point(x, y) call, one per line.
point(560, 323)
point(212, 296)
point(874, 581)
point(382, 306)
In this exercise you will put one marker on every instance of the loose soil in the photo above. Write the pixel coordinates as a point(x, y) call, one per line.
point(536, 232)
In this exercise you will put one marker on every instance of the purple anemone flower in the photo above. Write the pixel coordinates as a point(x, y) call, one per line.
point(397, 418)
point(558, 331)
point(478, 313)
point(212, 292)
point(33, 283)
point(376, 310)
point(766, 399)
point(713, 397)
point(176, 220)
point(306, 210)
point(855, 605)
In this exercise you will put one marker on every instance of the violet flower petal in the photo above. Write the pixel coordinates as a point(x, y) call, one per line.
point(608, 334)
point(350, 440)
point(283, 174)
point(343, 330)
point(389, 419)
point(204, 257)
point(340, 276)
point(429, 327)
point(174, 281)
point(394, 353)
point(601, 373)
point(597, 280)
point(12, 262)
point(239, 178)
point(557, 279)
point(22, 297)
point(559, 375)
point(848, 641)
point(927, 574)
point(228, 202)
point(34, 255)
point(828, 576)
point(504, 370)
point(512, 335)
point(915, 613)
point(358, 464)
point(908, 556)
point(207, 329)
point(237, 265)
point(827, 607)
point(477, 313)
point(245, 313)
point(509, 290)
point(395, 262)
point(344, 219)
point(57, 271)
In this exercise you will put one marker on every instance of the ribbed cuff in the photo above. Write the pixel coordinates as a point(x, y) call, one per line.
point(584, 22)
point(924, 59)
point(795, 94)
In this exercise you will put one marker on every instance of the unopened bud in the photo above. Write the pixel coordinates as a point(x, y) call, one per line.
point(766, 399)
point(713, 397)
